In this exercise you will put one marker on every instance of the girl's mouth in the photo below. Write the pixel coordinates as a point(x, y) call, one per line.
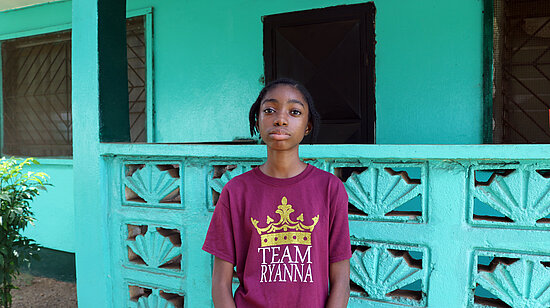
point(279, 134)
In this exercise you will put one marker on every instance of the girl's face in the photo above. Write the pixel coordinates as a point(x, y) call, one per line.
point(283, 118)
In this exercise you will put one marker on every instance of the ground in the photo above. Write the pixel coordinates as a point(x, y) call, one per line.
point(41, 292)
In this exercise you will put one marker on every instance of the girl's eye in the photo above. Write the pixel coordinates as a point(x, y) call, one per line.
point(269, 110)
point(296, 112)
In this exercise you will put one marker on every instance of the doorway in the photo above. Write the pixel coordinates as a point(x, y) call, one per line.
point(331, 52)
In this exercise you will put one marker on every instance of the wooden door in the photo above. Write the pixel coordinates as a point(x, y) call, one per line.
point(331, 52)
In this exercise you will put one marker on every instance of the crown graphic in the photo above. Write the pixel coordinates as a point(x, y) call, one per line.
point(286, 231)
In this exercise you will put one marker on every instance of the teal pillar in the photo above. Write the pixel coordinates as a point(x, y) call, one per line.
point(449, 246)
point(196, 221)
point(98, 85)
point(114, 120)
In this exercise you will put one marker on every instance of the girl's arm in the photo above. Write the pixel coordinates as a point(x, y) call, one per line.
point(222, 295)
point(339, 284)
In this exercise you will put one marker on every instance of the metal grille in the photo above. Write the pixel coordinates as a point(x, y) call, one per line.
point(522, 71)
point(37, 92)
point(137, 85)
point(37, 96)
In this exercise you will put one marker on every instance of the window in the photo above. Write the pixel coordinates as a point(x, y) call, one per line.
point(137, 78)
point(521, 58)
point(37, 95)
point(331, 52)
point(36, 81)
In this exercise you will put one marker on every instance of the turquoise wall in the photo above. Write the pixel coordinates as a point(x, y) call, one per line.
point(429, 72)
point(36, 19)
point(54, 209)
point(428, 68)
point(208, 63)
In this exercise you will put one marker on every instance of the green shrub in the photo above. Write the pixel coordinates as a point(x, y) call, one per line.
point(17, 189)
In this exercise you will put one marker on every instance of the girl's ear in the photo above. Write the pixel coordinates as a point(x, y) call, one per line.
point(309, 127)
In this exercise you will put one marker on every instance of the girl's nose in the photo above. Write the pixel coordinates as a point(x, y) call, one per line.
point(280, 121)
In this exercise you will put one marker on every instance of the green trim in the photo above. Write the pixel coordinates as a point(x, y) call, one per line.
point(353, 152)
point(488, 14)
point(139, 12)
point(32, 6)
point(55, 161)
point(149, 94)
point(38, 31)
point(49, 160)
point(52, 161)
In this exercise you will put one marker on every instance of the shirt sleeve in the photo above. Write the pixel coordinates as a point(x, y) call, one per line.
point(219, 238)
point(339, 240)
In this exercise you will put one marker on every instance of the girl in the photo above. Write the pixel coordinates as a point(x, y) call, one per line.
point(284, 224)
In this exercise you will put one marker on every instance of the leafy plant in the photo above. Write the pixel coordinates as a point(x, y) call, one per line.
point(17, 189)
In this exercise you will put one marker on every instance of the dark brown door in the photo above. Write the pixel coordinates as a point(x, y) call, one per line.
point(331, 52)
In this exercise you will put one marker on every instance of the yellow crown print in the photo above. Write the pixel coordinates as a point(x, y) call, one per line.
point(300, 234)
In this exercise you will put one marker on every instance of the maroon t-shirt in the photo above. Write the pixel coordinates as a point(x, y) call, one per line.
point(281, 234)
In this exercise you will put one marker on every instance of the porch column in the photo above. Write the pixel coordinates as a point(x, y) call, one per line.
point(100, 113)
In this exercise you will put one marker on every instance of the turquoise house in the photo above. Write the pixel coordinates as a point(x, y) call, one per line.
point(138, 111)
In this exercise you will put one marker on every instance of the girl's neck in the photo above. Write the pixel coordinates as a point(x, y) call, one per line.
point(283, 164)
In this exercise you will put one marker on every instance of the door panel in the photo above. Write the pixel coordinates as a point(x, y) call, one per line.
point(331, 52)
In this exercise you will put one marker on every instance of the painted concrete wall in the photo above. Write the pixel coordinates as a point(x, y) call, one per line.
point(448, 236)
point(208, 63)
point(429, 72)
point(41, 18)
point(428, 68)
point(54, 209)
